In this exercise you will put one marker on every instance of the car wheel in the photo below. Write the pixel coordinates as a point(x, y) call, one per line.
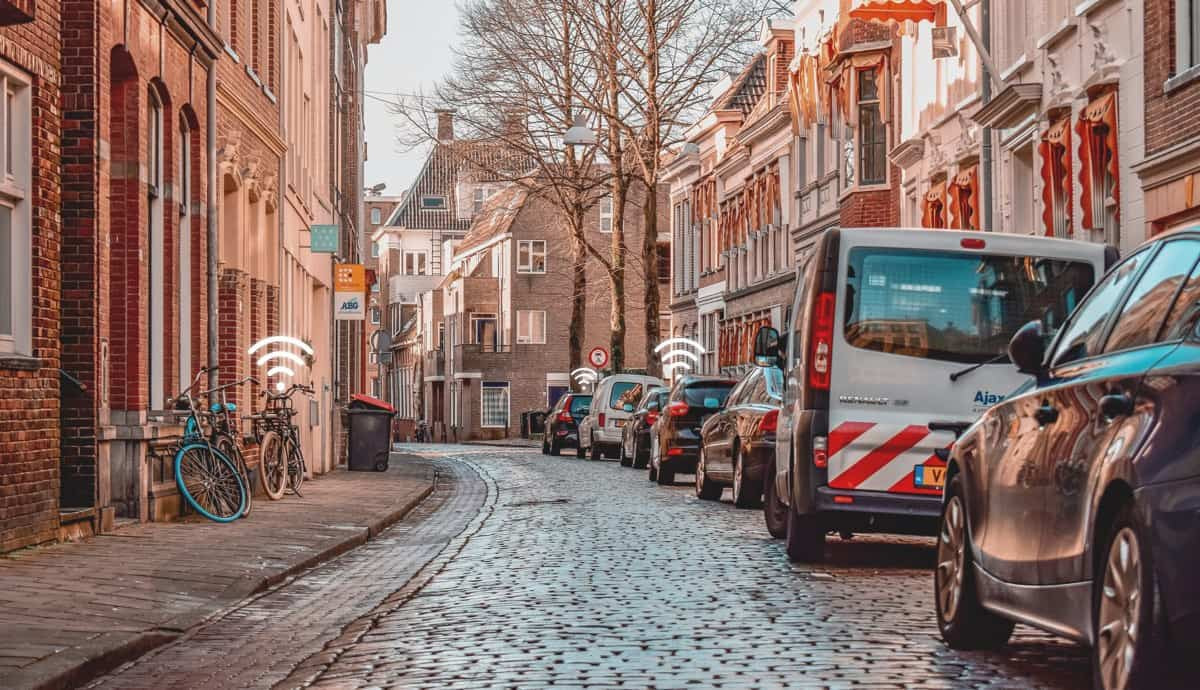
point(594, 453)
point(805, 538)
point(626, 461)
point(746, 493)
point(963, 621)
point(775, 511)
point(652, 473)
point(555, 448)
point(545, 447)
point(706, 488)
point(1127, 610)
point(638, 460)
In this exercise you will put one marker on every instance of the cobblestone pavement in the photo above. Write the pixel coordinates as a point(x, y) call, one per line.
point(579, 574)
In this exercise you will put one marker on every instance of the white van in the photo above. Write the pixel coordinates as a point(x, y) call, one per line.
point(892, 330)
point(600, 431)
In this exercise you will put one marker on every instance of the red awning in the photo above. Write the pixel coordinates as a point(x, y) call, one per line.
point(901, 11)
point(1097, 130)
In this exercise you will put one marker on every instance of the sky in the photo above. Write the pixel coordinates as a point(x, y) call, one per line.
point(413, 55)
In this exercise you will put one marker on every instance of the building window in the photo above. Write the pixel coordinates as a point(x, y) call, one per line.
point(872, 132)
point(478, 200)
point(1100, 193)
point(531, 327)
point(373, 357)
point(185, 252)
point(494, 404)
point(375, 286)
point(154, 194)
point(374, 250)
point(375, 316)
point(16, 249)
point(433, 203)
point(1187, 35)
point(1057, 179)
point(606, 214)
point(415, 263)
point(376, 217)
point(531, 256)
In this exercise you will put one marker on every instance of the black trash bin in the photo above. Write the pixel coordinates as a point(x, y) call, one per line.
point(370, 433)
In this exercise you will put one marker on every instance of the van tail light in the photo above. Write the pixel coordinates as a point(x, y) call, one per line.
point(972, 243)
point(770, 422)
point(601, 418)
point(820, 452)
point(565, 416)
point(651, 417)
point(677, 409)
point(820, 359)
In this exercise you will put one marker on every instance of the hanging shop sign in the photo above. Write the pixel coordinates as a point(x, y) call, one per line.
point(324, 239)
point(349, 292)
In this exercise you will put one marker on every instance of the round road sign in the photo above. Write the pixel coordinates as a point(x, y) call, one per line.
point(598, 357)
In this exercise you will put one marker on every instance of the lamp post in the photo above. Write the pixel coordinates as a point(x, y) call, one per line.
point(579, 134)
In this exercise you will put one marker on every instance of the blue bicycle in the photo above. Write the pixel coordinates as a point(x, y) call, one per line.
point(208, 479)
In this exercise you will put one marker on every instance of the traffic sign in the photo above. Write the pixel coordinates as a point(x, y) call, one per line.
point(598, 357)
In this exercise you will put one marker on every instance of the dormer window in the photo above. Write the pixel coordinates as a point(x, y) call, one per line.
point(433, 203)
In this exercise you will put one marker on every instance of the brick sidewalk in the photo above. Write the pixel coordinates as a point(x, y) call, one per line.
point(69, 612)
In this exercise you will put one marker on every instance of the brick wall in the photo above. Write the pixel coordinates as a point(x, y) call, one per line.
point(1171, 117)
point(29, 389)
point(876, 208)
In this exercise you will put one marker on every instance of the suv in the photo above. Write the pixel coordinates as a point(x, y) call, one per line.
point(562, 424)
point(892, 329)
point(601, 430)
point(675, 437)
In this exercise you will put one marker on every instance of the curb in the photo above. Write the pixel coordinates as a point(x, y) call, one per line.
point(79, 665)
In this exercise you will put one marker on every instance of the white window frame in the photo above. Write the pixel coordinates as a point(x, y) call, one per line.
point(1187, 35)
point(375, 248)
point(495, 386)
point(376, 217)
point(606, 215)
point(156, 330)
point(423, 263)
point(525, 330)
point(479, 197)
point(526, 251)
point(375, 316)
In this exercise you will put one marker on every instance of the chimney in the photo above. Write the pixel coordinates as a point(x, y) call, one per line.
point(445, 124)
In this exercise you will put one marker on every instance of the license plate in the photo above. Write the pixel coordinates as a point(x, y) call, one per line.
point(929, 477)
point(618, 423)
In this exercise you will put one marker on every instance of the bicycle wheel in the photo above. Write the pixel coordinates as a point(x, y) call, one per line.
point(295, 465)
point(273, 465)
point(209, 482)
point(230, 449)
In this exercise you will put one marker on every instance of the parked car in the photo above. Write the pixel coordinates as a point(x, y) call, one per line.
point(1074, 504)
point(635, 437)
point(600, 431)
point(892, 329)
point(738, 442)
point(675, 436)
point(562, 424)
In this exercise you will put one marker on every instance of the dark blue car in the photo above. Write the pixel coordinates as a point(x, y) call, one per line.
point(1074, 504)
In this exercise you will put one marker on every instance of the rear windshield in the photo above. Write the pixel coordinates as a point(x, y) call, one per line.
point(708, 393)
point(952, 305)
point(625, 393)
point(580, 404)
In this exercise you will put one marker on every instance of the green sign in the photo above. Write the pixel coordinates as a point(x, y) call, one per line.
point(324, 239)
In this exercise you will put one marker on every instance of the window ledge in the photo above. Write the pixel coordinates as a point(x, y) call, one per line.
point(20, 362)
point(229, 51)
point(270, 94)
point(1086, 7)
point(1056, 34)
point(1187, 76)
point(253, 76)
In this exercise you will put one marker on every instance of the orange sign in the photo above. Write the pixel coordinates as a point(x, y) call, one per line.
point(349, 278)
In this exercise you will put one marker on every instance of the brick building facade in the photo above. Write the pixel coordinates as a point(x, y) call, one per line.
point(30, 288)
point(1170, 172)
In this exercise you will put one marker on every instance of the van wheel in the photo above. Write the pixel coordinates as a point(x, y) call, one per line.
point(775, 511)
point(805, 538)
point(963, 621)
point(594, 451)
point(706, 489)
point(1127, 610)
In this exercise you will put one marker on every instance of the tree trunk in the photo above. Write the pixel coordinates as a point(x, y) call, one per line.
point(650, 279)
point(616, 277)
point(579, 294)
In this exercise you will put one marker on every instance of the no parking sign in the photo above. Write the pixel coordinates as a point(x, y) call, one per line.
point(598, 357)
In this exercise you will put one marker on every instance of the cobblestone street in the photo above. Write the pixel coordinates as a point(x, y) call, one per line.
point(558, 571)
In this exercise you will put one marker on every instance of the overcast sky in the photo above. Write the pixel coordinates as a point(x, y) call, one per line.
point(414, 54)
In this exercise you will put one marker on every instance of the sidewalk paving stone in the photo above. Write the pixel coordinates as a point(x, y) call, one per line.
point(73, 611)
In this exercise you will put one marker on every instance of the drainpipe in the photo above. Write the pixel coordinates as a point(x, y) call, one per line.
point(214, 330)
point(985, 162)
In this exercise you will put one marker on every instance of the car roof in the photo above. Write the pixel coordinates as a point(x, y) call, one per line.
point(696, 378)
point(1006, 243)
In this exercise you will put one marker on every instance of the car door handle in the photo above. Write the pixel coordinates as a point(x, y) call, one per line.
point(1116, 405)
point(1046, 414)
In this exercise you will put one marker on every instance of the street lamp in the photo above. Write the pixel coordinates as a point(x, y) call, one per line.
point(579, 134)
point(377, 188)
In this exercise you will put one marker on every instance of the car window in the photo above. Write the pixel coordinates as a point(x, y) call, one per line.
point(663, 396)
point(773, 377)
point(738, 395)
point(580, 404)
point(795, 339)
point(758, 392)
point(1140, 321)
point(1082, 334)
point(952, 305)
point(649, 400)
point(1185, 314)
point(711, 394)
point(624, 393)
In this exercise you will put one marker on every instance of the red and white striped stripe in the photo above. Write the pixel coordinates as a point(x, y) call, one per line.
point(879, 457)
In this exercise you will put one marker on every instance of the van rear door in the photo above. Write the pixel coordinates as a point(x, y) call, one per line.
point(912, 318)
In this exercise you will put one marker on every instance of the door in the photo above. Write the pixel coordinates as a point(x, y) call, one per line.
point(1084, 444)
point(1015, 476)
point(718, 447)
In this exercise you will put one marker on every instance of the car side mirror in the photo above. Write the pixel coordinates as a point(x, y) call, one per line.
point(627, 407)
point(767, 347)
point(1027, 349)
